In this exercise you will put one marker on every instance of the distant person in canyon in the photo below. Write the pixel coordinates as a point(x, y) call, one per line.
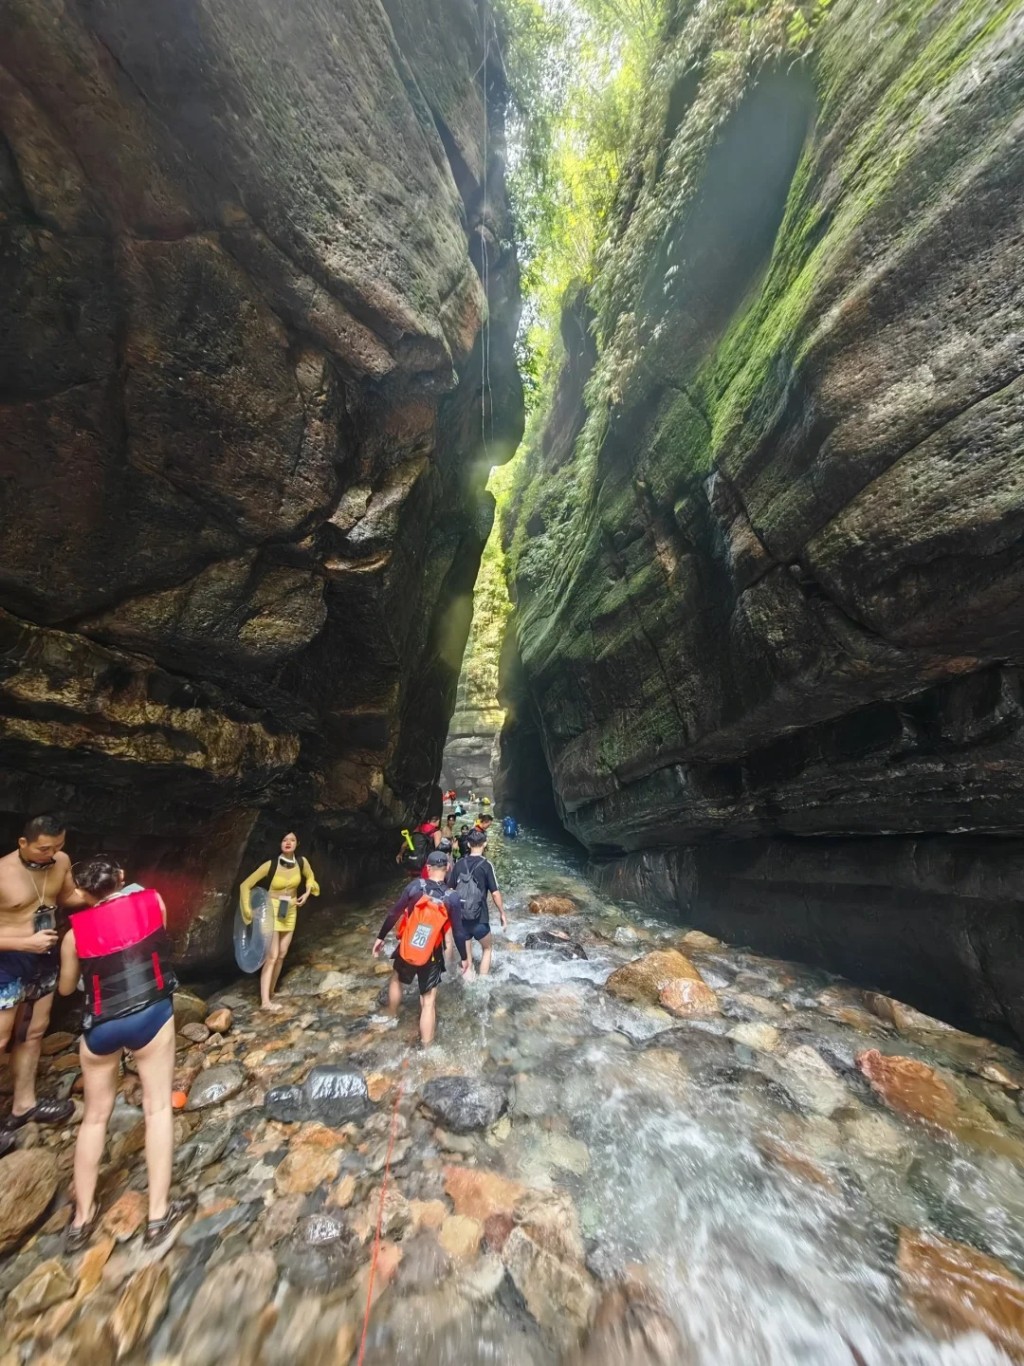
point(422, 918)
point(415, 847)
point(474, 880)
point(35, 880)
point(118, 948)
point(292, 883)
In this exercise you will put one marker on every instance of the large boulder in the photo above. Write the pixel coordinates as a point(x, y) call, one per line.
point(767, 555)
point(250, 252)
point(664, 977)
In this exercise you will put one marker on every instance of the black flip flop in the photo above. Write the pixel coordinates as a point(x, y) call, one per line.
point(158, 1229)
point(7, 1144)
point(48, 1111)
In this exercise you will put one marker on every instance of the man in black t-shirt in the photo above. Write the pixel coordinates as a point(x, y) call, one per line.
point(473, 878)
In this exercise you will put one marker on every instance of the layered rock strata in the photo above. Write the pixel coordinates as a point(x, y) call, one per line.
point(260, 303)
point(768, 559)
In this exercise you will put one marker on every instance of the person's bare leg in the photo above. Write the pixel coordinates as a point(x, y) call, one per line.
point(100, 1078)
point(284, 943)
point(486, 945)
point(428, 1016)
point(267, 974)
point(156, 1072)
point(394, 994)
point(34, 1016)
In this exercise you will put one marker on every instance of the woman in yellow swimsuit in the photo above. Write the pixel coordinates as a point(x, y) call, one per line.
point(291, 885)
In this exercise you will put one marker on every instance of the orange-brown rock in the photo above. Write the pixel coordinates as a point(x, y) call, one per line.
point(782, 1155)
point(28, 1180)
point(645, 979)
point(914, 1089)
point(141, 1306)
point(478, 1194)
point(460, 1237)
point(126, 1215)
point(957, 1289)
point(553, 905)
point(304, 1168)
point(631, 1327)
point(686, 999)
point(219, 1021)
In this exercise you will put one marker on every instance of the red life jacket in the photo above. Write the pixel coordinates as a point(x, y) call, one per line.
point(125, 955)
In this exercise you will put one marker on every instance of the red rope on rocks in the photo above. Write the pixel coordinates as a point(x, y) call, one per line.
point(380, 1221)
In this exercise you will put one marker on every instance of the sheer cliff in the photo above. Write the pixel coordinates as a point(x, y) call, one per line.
point(260, 302)
point(767, 555)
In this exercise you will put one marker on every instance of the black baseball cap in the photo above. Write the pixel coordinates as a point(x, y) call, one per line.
point(437, 859)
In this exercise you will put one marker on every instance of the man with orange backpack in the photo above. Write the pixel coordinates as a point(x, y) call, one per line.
point(421, 918)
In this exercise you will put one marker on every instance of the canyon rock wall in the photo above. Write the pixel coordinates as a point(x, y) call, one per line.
point(246, 422)
point(768, 556)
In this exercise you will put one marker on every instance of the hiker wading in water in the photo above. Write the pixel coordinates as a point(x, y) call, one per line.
point(421, 918)
point(291, 885)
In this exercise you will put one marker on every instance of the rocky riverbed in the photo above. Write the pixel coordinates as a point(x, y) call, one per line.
point(631, 1144)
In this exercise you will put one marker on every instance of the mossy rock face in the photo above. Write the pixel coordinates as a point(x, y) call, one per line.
point(783, 565)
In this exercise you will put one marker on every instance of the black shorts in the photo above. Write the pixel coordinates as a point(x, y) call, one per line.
point(428, 977)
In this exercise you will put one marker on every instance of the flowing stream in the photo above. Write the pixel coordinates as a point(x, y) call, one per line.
point(737, 1174)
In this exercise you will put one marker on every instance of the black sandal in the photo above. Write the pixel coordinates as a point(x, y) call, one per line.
point(76, 1237)
point(158, 1229)
point(48, 1111)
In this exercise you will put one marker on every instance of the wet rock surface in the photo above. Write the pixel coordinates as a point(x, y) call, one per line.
point(594, 1182)
point(463, 1104)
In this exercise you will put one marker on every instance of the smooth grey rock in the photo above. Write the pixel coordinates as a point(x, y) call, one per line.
point(464, 1104)
point(215, 1085)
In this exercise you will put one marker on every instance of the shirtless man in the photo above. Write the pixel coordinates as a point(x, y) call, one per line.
point(34, 880)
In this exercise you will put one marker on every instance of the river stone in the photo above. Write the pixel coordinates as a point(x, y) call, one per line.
point(810, 1080)
point(553, 905)
point(28, 1181)
point(197, 1032)
point(227, 1308)
point(559, 1295)
point(141, 1306)
point(219, 1021)
point(953, 1286)
point(464, 1104)
point(188, 1009)
point(479, 1194)
point(559, 944)
point(215, 1085)
point(632, 1327)
point(336, 1095)
point(666, 977)
point(333, 1095)
point(48, 1284)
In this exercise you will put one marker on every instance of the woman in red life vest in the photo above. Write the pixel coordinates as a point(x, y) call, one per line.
point(119, 949)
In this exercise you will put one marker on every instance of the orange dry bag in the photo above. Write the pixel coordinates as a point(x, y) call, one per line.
point(423, 928)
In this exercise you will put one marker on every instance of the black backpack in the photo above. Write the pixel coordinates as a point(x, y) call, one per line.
point(422, 846)
point(473, 896)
